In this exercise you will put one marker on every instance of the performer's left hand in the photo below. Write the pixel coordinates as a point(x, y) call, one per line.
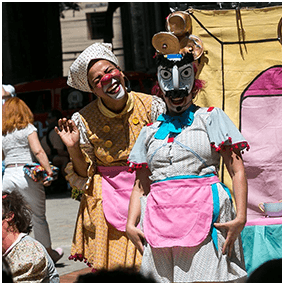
point(233, 229)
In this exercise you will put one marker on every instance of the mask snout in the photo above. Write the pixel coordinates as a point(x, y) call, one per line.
point(175, 76)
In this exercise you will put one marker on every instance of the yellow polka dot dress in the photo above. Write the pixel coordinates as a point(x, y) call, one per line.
point(106, 140)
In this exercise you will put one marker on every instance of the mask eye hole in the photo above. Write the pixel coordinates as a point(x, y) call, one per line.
point(165, 74)
point(186, 73)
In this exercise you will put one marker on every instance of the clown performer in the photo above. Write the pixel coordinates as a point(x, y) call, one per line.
point(99, 139)
point(189, 231)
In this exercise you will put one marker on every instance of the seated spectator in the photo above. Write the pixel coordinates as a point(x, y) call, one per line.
point(52, 143)
point(27, 258)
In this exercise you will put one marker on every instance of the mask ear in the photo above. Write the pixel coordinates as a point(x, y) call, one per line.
point(193, 45)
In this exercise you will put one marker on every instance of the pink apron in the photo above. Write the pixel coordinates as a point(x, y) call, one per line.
point(117, 186)
point(179, 212)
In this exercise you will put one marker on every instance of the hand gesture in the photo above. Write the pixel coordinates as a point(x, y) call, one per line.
point(68, 132)
point(233, 229)
point(47, 183)
point(136, 236)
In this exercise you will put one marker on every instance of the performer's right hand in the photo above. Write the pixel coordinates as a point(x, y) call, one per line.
point(68, 132)
point(136, 236)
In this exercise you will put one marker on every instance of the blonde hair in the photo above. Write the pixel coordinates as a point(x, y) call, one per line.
point(15, 115)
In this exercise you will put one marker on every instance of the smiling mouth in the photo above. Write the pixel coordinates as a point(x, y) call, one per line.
point(177, 101)
point(114, 88)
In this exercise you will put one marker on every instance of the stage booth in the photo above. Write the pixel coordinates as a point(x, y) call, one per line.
point(242, 67)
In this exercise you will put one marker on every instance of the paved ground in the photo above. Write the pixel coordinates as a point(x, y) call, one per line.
point(61, 216)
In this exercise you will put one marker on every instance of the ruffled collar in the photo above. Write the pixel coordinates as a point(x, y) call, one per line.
point(174, 124)
point(108, 113)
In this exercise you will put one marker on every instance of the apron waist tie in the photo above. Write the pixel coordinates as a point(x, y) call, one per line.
point(216, 210)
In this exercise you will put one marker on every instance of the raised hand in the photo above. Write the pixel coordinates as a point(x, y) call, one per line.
point(68, 132)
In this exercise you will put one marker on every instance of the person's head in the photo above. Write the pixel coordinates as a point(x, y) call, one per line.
point(176, 78)
point(177, 52)
point(16, 214)
point(106, 80)
point(15, 115)
point(96, 70)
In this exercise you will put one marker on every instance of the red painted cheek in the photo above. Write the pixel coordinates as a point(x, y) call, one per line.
point(116, 73)
point(107, 77)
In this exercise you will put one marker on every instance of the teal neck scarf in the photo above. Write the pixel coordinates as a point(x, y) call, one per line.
point(174, 124)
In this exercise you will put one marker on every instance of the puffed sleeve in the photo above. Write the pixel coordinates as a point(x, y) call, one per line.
point(137, 156)
point(158, 107)
point(223, 132)
point(30, 129)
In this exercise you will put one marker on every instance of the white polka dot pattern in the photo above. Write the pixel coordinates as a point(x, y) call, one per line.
point(78, 71)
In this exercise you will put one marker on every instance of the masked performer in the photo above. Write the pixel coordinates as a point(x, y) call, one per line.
point(99, 139)
point(189, 229)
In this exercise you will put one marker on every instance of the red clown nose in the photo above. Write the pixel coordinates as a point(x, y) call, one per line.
point(107, 77)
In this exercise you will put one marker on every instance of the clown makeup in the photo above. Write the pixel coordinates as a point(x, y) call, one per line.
point(106, 79)
point(111, 85)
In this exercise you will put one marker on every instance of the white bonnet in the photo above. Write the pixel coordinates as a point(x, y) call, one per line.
point(77, 77)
